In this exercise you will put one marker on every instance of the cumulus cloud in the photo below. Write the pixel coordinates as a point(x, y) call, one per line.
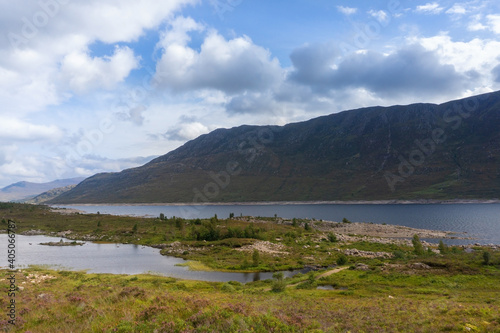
point(83, 73)
point(313, 63)
point(45, 40)
point(16, 130)
point(230, 66)
point(109, 22)
point(457, 9)
point(494, 23)
point(347, 10)
point(475, 58)
point(430, 8)
point(410, 70)
point(496, 73)
point(186, 131)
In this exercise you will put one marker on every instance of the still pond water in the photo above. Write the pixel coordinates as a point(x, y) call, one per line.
point(114, 259)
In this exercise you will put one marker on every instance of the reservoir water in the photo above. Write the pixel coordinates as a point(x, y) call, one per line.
point(481, 221)
point(114, 259)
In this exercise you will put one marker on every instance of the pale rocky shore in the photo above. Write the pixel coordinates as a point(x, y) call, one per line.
point(356, 231)
point(317, 202)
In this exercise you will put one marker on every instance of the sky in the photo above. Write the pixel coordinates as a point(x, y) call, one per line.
point(89, 86)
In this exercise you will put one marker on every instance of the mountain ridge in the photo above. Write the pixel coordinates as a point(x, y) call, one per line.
point(25, 190)
point(418, 151)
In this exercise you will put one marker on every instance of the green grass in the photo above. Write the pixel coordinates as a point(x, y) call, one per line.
point(392, 301)
point(457, 293)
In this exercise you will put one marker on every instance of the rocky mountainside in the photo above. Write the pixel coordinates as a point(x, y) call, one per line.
point(419, 151)
point(49, 195)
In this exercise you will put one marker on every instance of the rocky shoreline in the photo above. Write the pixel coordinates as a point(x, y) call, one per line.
point(61, 243)
point(317, 202)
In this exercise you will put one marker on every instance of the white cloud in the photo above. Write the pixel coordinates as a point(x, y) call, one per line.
point(187, 131)
point(430, 8)
point(494, 23)
point(230, 66)
point(477, 26)
point(457, 9)
point(347, 10)
point(43, 38)
point(475, 58)
point(83, 73)
point(16, 130)
point(380, 15)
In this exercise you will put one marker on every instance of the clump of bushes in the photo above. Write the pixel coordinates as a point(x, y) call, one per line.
point(342, 260)
point(279, 283)
point(486, 258)
point(332, 238)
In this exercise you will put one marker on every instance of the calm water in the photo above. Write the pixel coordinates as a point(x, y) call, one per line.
point(481, 221)
point(113, 258)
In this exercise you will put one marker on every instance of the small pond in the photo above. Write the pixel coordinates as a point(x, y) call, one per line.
point(115, 259)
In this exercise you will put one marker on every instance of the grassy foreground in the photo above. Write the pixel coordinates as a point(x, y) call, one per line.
point(374, 301)
point(413, 291)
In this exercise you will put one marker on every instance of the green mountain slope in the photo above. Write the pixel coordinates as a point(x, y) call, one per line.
point(419, 151)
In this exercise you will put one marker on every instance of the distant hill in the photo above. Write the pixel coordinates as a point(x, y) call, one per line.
point(49, 195)
point(23, 191)
point(419, 151)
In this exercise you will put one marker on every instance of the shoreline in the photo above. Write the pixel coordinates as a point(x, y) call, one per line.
point(269, 203)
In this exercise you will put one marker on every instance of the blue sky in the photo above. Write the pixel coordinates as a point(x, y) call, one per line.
point(96, 86)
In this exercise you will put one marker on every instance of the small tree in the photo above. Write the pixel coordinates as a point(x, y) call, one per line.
point(418, 248)
point(162, 216)
point(279, 284)
point(442, 247)
point(98, 224)
point(332, 238)
point(231, 215)
point(486, 258)
point(244, 264)
point(294, 222)
point(134, 228)
point(344, 220)
point(307, 227)
point(256, 258)
point(179, 223)
point(342, 260)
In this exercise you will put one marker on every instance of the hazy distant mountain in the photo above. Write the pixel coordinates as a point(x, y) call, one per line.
point(419, 151)
point(22, 191)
